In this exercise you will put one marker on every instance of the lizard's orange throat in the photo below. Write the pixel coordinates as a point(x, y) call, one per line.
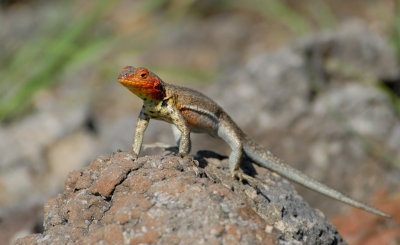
point(148, 87)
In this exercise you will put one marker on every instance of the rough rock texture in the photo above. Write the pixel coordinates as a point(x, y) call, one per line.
point(165, 199)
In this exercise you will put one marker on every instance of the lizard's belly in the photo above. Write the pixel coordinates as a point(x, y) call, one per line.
point(162, 118)
point(159, 113)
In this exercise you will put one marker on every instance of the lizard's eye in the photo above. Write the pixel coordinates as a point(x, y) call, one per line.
point(143, 74)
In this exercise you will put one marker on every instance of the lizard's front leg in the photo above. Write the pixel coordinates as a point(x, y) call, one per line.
point(177, 136)
point(141, 126)
point(184, 142)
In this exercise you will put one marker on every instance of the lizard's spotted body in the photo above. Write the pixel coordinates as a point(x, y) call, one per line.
point(191, 111)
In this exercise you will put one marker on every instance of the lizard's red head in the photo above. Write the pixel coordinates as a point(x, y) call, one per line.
point(142, 82)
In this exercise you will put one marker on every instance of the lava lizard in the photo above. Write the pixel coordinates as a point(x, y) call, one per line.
point(191, 111)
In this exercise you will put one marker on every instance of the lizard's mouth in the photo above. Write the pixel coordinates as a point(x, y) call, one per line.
point(131, 84)
point(127, 78)
point(126, 82)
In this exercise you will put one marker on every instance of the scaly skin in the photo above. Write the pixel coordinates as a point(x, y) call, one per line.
point(191, 111)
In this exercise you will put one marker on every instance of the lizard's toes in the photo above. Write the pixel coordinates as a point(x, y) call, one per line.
point(182, 155)
point(237, 175)
point(133, 157)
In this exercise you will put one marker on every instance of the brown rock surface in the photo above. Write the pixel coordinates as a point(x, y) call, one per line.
point(165, 199)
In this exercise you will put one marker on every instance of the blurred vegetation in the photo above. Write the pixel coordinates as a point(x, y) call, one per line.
point(63, 43)
point(38, 61)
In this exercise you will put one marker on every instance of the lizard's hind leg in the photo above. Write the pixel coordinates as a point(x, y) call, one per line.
point(235, 142)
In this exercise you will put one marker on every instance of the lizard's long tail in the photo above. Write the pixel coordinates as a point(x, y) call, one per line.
point(265, 159)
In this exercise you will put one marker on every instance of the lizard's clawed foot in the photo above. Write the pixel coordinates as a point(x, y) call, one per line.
point(185, 156)
point(134, 156)
point(242, 176)
point(238, 175)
